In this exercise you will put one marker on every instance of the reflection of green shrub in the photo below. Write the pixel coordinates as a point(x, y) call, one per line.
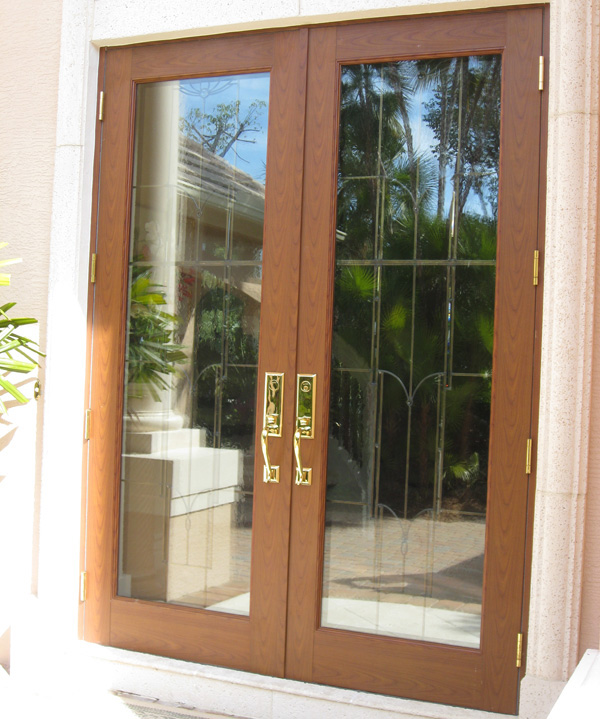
point(14, 347)
point(152, 356)
point(423, 330)
point(224, 395)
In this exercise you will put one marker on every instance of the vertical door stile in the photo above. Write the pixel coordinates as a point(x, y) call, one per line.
point(535, 393)
point(314, 333)
point(108, 351)
point(515, 323)
point(278, 338)
point(89, 338)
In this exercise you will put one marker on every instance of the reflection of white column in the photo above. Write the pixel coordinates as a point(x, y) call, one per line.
point(156, 173)
point(154, 225)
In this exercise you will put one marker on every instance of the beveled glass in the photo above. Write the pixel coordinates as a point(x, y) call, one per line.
point(193, 320)
point(412, 348)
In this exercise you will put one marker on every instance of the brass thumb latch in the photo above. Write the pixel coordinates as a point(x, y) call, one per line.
point(271, 421)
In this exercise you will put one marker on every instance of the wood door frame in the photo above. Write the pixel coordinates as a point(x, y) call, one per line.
point(254, 643)
point(146, 63)
point(466, 677)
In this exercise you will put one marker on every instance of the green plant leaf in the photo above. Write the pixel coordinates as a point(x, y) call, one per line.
point(12, 343)
point(18, 321)
point(14, 261)
point(12, 365)
point(12, 390)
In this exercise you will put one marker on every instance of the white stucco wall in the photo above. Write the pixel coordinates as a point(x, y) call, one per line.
point(150, 19)
point(568, 463)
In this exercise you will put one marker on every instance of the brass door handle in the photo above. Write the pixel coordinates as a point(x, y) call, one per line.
point(305, 411)
point(270, 474)
point(303, 475)
point(271, 421)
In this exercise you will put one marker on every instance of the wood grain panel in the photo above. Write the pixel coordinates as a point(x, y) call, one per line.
point(107, 367)
point(314, 346)
point(211, 56)
point(427, 672)
point(281, 256)
point(181, 632)
point(89, 335)
point(422, 36)
point(513, 358)
point(538, 336)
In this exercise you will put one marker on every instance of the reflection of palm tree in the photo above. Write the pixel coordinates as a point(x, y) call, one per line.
point(430, 318)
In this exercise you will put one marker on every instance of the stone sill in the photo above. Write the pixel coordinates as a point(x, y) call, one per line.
point(214, 689)
point(581, 697)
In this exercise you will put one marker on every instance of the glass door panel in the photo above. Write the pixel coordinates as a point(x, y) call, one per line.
point(412, 347)
point(194, 301)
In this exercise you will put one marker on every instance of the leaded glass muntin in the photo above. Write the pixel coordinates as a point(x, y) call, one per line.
point(410, 409)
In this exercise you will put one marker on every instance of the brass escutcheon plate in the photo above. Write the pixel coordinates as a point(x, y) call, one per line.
point(305, 406)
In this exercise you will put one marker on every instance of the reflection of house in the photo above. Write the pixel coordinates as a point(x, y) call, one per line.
point(219, 207)
point(181, 493)
point(48, 224)
point(223, 186)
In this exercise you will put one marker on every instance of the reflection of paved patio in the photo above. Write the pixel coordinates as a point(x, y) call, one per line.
point(419, 561)
point(417, 578)
point(433, 568)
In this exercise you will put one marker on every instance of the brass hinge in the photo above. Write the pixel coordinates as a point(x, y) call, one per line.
point(101, 106)
point(536, 267)
point(87, 423)
point(83, 586)
point(519, 649)
point(541, 73)
point(93, 269)
point(528, 457)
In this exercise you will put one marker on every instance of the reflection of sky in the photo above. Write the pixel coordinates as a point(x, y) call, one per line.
point(207, 93)
point(424, 141)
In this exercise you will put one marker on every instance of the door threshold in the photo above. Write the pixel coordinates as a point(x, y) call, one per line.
point(230, 692)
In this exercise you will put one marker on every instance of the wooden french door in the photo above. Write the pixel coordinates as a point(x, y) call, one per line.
point(123, 538)
point(368, 289)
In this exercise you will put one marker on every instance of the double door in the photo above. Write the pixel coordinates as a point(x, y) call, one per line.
point(313, 350)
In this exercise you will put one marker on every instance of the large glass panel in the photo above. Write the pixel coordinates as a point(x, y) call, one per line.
point(192, 351)
point(410, 406)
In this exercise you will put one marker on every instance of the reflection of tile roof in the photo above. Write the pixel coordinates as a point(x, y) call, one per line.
point(206, 177)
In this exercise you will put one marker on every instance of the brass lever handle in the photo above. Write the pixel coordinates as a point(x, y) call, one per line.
point(299, 470)
point(271, 474)
point(305, 410)
point(271, 421)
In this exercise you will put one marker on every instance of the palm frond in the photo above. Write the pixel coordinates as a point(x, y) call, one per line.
point(12, 343)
